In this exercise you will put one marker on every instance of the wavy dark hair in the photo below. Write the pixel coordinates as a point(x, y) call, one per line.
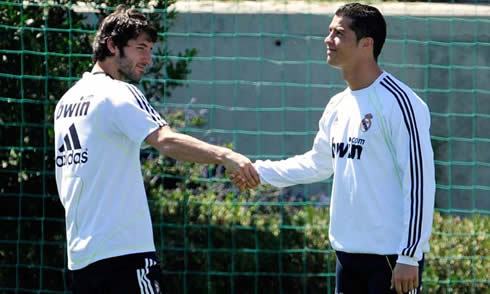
point(367, 21)
point(121, 26)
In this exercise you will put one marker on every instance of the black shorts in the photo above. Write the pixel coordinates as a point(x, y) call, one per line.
point(133, 273)
point(367, 273)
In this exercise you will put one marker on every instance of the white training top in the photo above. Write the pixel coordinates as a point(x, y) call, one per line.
point(377, 143)
point(99, 126)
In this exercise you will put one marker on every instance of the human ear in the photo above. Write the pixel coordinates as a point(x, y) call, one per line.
point(111, 46)
point(367, 42)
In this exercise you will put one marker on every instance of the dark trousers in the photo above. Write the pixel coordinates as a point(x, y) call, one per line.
point(367, 273)
point(133, 273)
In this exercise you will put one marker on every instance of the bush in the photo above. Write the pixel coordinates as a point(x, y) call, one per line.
point(458, 260)
point(211, 236)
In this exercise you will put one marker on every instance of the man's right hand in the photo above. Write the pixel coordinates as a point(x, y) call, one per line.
point(184, 147)
point(242, 172)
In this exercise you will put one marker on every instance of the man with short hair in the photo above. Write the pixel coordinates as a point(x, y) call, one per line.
point(374, 136)
point(99, 125)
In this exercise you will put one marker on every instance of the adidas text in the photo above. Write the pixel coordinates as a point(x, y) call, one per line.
point(73, 157)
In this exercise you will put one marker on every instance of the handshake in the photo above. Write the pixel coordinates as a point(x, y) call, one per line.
point(241, 171)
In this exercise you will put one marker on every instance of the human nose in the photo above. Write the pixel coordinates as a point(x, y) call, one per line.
point(147, 58)
point(327, 39)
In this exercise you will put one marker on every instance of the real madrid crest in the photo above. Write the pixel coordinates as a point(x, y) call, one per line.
point(366, 122)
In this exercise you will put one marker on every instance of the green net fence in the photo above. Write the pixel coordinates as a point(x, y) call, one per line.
point(251, 74)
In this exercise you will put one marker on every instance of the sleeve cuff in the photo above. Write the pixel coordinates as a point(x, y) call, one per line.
point(257, 165)
point(407, 260)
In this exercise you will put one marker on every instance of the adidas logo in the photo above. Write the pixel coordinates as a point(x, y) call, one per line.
point(71, 149)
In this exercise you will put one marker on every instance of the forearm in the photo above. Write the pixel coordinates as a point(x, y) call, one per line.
point(302, 169)
point(183, 147)
point(418, 235)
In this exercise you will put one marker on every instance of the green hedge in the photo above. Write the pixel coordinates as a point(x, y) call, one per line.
point(212, 238)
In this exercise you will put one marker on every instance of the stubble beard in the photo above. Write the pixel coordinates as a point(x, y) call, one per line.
point(126, 69)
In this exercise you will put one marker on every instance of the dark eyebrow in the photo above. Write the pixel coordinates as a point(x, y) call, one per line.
point(338, 29)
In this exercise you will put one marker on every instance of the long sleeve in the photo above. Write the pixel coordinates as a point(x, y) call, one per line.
point(415, 159)
point(312, 166)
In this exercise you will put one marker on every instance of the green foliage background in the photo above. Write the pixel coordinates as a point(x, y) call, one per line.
point(210, 238)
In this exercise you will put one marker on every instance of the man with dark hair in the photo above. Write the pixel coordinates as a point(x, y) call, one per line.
point(121, 26)
point(374, 137)
point(366, 22)
point(99, 125)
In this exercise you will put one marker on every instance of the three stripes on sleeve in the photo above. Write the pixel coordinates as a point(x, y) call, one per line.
point(145, 106)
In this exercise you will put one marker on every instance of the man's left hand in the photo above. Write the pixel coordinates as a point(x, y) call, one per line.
point(405, 278)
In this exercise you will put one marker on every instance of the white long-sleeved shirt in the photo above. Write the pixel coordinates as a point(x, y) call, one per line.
point(377, 144)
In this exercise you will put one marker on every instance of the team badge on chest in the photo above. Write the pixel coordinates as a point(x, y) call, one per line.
point(366, 122)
